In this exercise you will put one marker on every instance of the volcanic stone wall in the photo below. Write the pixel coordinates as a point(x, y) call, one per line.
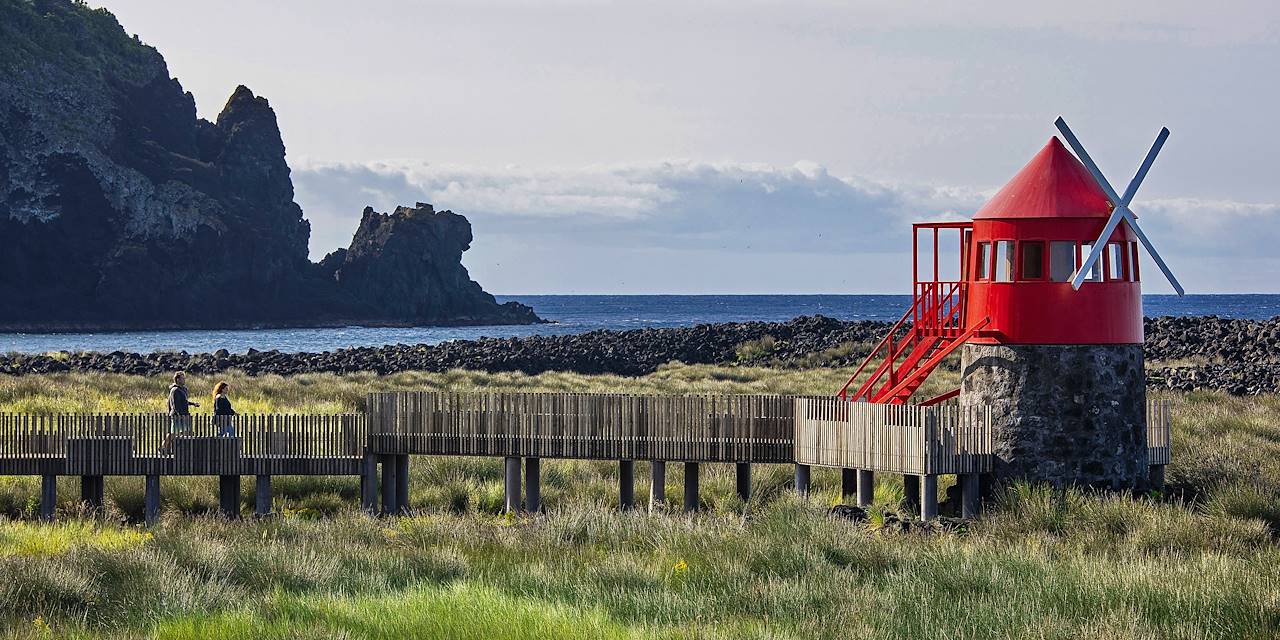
point(1066, 415)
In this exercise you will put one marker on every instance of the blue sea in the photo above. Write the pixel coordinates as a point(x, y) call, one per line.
point(577, 314)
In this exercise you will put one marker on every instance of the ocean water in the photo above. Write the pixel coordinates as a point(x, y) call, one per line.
point(577, 314)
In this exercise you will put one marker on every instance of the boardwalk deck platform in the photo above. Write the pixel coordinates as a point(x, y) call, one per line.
point(919, 442)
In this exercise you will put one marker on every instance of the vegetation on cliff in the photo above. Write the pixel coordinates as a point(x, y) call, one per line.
point(120, 208)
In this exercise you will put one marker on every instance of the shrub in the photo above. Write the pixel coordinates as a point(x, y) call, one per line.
point(753, 350)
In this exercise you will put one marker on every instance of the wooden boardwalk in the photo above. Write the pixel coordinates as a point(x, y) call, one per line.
point(134, 444)
point(942, 439)
point(920, 443)
point(911, 439)
point(738, 428)
point(727, 428)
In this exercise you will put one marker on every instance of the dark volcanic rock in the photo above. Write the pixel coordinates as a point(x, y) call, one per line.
point(386, 268)
point(619, 352)
point(1064, 415)
point(120, 208)
point(1241, 357)
point(802, 342)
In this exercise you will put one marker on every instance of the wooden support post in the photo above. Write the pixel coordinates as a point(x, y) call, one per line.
point(742, 480)
point(626, 484)
point(657, 484)
point(970, 495)
point(389, 505)
point(511, 486)
point(151, 499)
point(402, 483)
point(91, 491)
point(533, 485)
point(262, 495)
point(802, 480)
point(229, 496)
point(911, 493)
point(929, 497)
point(48, 496)
point(848, 484)
point(1155, 477)
point(866, 487)
point(691, 486)
point(369, 484)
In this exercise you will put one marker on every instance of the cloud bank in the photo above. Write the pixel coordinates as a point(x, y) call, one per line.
point(697, 227)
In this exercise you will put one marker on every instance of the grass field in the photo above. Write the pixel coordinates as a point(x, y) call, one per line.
point(1199, 562)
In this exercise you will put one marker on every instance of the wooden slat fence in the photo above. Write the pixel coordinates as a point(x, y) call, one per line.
point(133, 444)
point(1159, 429)
point(725, 428)
point(896, 438)
point(706, 428)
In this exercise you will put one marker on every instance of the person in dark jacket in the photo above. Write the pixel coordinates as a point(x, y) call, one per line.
point(179, 410)
point(222, 410)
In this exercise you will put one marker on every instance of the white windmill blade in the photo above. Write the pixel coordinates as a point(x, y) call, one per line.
point(1117, 213)
point(1095, 252)
point(1155, 255)
point(1088, 162)
point(1121, 210)
point(1146, 166)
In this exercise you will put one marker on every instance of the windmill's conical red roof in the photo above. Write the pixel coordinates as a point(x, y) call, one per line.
point(1053, 185)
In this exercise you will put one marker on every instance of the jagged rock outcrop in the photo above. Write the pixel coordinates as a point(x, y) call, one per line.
point(385, 267)
point(120, 208)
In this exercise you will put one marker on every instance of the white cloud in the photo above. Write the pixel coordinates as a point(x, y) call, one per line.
point(794, 222)
point(668, 204)
point(1205, 227)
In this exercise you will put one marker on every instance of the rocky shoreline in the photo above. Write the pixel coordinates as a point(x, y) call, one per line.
point(1237, 356)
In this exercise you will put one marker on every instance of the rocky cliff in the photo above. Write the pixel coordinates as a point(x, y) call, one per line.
point(120, 208)
point(385, 267)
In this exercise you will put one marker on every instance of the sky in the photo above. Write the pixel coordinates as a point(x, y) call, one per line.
point(746, 147)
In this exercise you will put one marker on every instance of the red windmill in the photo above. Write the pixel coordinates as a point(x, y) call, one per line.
point(1044, 262)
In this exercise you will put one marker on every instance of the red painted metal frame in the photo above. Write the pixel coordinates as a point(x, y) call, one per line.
point(941, 398)
point(938, 316)
point(1104, 311)
point(1051, 199)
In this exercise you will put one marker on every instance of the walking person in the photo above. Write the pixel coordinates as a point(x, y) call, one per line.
point(179, 411)
point(222, 410)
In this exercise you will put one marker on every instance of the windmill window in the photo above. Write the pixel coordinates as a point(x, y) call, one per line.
point(965, 242)
point(984, 260)
point(1095, 274)
point(1115, 261)
point(1004, 261)
point(1062, 261)
point(1133, 262)
point(1032, 263)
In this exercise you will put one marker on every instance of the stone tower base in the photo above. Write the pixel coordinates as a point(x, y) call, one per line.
point(1062, 414)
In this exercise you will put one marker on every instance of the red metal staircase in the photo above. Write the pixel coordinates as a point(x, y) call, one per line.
point(911, 351)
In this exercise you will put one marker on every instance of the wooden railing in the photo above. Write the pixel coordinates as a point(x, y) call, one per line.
point(727, 428)
point(896, 438)
point(140, 444)
point(1159, 430)
point(921, 440)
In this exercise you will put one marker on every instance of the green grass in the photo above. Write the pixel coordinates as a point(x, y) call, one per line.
point(1201, 561)
point(1084, 567)
point(753, 349)
point(19, 539)
point(459, 611)
point(337, 393)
